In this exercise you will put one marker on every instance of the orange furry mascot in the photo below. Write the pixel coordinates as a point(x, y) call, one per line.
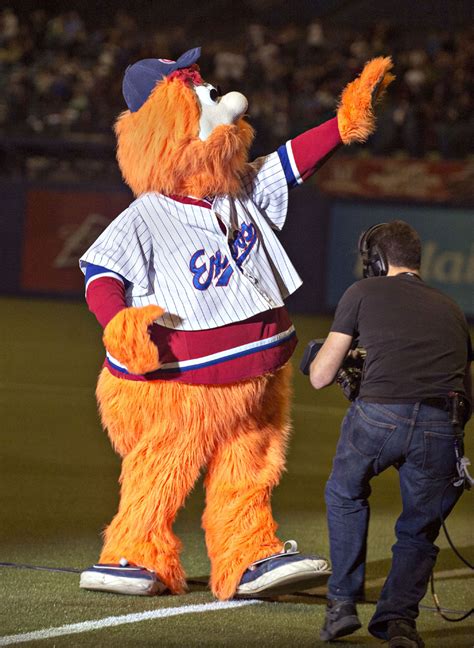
point(189, 284)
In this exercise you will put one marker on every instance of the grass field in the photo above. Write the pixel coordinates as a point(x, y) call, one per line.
point(59, 489)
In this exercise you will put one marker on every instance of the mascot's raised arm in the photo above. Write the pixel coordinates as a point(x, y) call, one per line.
point(189, 283)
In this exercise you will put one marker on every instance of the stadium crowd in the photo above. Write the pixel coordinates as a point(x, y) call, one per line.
point(59, 75)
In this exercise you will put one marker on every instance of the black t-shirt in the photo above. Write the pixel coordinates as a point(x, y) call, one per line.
point(416, 338)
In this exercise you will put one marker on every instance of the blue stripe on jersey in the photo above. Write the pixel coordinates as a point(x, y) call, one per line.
point(287, 166)
point(231, 356)
point(95, 271)
point(223, 358)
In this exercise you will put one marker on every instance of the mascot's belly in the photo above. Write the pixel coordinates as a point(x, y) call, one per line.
point(222, 355)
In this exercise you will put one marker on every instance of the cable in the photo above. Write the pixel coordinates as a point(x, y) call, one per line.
point(464, 479)
point(41, 568)
point(431, 608)
point(440, 610)
point(72, 570)
point(451, 544)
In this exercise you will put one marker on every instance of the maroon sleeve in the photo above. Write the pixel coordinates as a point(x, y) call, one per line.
point(312, 148)
point(105, 297)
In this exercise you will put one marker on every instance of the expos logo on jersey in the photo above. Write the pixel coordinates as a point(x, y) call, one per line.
point(217, 266)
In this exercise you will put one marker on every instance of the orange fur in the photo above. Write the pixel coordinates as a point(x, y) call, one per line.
point(159, 149)
point(126, 338)
point(355, 116)
point(246, 467)
point(166, 433)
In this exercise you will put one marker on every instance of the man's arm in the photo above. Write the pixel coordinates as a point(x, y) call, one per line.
point(328, 361)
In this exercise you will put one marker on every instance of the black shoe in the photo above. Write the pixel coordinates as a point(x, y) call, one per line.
point(402, 634)
point(341, 620)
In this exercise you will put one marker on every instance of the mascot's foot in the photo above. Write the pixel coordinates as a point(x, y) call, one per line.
point(121, 579)
point(283, 573)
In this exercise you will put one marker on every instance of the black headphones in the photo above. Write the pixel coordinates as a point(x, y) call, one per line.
point(374, 261)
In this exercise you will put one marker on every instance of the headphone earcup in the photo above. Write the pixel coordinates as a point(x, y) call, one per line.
point(374, 262)
point(377, 262)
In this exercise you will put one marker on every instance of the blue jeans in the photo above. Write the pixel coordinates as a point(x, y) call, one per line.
point(420, 442)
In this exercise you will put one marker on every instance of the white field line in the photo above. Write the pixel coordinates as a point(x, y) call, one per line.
point(107, 622)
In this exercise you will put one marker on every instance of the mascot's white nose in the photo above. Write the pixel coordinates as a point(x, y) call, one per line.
point(235, 103)
point(224, 111)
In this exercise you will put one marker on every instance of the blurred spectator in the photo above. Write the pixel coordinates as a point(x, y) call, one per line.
point(229, 66)
point(59, 75)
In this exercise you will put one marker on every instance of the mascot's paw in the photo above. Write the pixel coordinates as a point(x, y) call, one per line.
point(355, 115)
point(127, 339)
point(287, 572)
point(121, 579)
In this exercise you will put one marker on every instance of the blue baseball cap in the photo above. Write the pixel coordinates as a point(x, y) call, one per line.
point(141, 77)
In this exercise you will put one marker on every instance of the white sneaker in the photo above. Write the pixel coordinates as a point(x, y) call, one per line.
point(121, 579)
point(283, 573)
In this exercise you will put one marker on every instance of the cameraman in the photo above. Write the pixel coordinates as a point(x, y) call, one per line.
point(418, 353)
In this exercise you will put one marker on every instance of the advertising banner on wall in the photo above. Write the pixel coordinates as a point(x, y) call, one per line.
point(60, 225)
point(440, 181)
point(447, 237)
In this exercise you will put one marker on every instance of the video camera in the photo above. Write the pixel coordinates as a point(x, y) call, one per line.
point(349, 376)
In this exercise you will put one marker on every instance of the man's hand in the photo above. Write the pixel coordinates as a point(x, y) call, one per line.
point(329, 359)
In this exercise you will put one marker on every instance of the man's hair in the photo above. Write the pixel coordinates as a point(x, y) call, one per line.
point(400, 243)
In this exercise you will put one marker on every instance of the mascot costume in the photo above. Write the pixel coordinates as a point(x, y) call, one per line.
point(189, 283)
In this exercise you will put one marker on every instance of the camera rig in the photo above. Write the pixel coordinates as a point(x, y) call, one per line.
point(349, 375)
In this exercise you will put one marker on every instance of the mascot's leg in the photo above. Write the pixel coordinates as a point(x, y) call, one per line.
point(238, 520)
point(150, 425)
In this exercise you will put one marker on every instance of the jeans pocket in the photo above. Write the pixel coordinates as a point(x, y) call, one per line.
point(369, 436)
point(439, 461)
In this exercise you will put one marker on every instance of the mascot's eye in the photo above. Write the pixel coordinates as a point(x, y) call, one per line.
point(208, 95)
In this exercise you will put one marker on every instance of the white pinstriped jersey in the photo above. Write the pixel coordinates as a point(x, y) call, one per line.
point(177, 255)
